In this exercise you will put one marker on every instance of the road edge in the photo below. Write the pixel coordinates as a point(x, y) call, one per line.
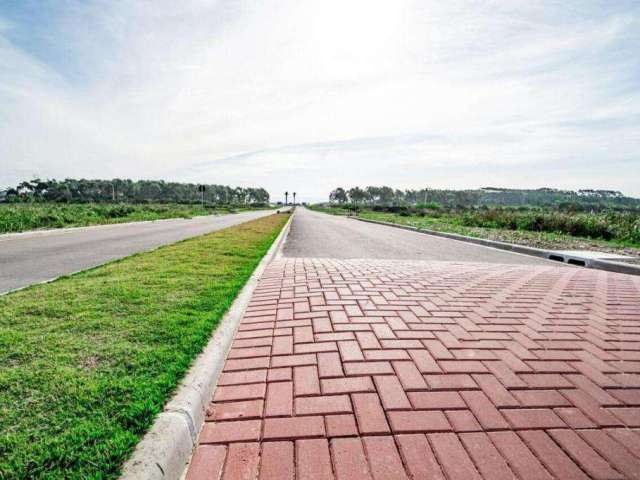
point(611, 266)
point(43, 232)
point(164, 451)
point(64, 230)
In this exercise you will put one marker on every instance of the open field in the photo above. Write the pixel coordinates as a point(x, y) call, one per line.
point(20, 217)
point(542, 228)
point(88, 361)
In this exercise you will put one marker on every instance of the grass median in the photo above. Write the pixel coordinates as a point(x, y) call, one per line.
point(88, 361)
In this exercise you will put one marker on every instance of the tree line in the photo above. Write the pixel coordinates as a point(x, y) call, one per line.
point(72, 190)
point(489, 196)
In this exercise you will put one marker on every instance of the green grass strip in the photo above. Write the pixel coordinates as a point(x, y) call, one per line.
point(88, 361)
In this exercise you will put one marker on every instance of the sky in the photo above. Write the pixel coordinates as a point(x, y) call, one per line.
point(308, 95)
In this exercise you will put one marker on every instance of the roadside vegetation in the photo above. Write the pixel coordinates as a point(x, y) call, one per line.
point(20, 217)
point(603, 220)
point(88, 361)
point(39, 203)
point(119, 190)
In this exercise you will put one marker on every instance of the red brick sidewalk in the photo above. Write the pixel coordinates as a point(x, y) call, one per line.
point(391, 369)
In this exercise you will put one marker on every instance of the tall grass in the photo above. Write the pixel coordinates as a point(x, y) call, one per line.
point(624, 227)
point(619, 226)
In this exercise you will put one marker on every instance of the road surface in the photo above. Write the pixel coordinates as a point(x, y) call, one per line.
point(32, 257)
point(321, 235)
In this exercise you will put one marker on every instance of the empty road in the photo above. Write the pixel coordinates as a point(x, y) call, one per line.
point(33, 257)
point(321, 235)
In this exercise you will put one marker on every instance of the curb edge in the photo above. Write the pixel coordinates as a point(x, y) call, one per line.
point(164, 451)
point(617, 267)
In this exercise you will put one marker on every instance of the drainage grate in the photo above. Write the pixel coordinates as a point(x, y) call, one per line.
point(571, 261)
point(575, 261)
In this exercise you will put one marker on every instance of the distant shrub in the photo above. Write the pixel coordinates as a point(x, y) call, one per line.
point(429, 206)
point(609, 226)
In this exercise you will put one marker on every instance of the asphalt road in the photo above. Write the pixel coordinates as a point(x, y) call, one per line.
point(321, 235)
point(32, 257)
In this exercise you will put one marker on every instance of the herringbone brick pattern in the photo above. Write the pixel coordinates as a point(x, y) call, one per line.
point(392, 369)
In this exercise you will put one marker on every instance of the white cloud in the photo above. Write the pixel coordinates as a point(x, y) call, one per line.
point(306, 95)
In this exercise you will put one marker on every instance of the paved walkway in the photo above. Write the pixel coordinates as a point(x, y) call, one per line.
point(359, 369)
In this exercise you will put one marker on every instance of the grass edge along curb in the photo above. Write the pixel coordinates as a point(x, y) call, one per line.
point(165, 450)
point(611, 266)
point(91, 360)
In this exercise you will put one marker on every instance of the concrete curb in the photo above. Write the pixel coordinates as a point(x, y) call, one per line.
point(166, 448)
point(608, 265)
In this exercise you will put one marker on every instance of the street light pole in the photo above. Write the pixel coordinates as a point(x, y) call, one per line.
point(201, 189)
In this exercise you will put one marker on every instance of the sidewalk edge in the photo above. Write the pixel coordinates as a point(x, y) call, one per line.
point(166, 448)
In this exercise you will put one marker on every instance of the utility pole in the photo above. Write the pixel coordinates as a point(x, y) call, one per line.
point(113, 192)
point(201, 189)
point(286, 198)
point(294, 199)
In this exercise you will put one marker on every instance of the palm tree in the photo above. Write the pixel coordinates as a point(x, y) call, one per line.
point(294, 198)
point(286, 198)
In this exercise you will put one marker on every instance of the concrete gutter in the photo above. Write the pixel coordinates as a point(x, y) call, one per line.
point(166, 448)
point(560, 256)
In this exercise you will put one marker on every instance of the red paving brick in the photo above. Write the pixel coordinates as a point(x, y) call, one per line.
point(369, 413)
point(486, 457)
point(276, 461)
point(207, 462)
point(242, 461)
point(419, 460)
point(453, 458)
point(396, 369)
point(324, 405)
point(279, 399)
point(349, 459)
point(313, 461)
point(341, 425)
point(384, 458)
point(244, 410)
point(293, 427)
